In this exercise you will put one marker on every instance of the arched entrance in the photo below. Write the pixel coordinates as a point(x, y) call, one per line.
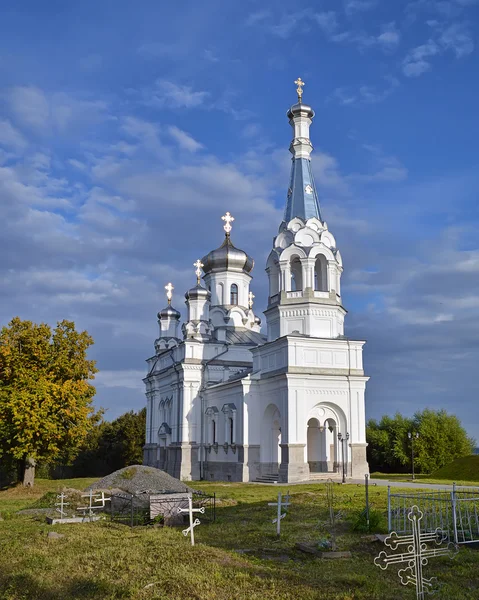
point(270, 451)
point(322, 438)
point(316, 447)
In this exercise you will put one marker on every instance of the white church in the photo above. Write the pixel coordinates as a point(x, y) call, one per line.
point(226, 402)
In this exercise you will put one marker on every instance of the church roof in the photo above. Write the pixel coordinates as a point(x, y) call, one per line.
point(244, 336)
point(302, 199)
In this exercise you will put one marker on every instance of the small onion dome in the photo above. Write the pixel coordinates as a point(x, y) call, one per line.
point(198, 293)
point(169, 313)
point(300, 110)
point(227, 258)
point(257, 321)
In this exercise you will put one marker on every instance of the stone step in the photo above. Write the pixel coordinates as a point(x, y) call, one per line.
point(268, 478)
point(325, 476)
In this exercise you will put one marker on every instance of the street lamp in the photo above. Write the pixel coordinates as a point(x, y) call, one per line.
point(412, 436)
point(343, 438)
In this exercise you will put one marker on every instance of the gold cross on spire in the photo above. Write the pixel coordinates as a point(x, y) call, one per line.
point(299, 90)
point(169, 292)
point(199, 265)
point(228, 219)
point(251, 296)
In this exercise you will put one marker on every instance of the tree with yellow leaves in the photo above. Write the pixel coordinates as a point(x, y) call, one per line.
point(45, 396)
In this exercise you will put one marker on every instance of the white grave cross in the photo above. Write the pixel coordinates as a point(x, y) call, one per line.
point(280, 503)
point(61, 504)
point(98, 498)
point(416, 555)
point(194, 523)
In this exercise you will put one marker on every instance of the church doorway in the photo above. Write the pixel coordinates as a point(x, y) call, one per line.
point(322, 446)
point(270, 451)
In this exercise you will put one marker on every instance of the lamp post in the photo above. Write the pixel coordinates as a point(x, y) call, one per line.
point(343, 438)
point(412, 436)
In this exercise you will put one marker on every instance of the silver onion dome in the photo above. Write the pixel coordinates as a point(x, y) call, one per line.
point(227, 258)
point(169, 313)
point(198, 292)
point(300, 109)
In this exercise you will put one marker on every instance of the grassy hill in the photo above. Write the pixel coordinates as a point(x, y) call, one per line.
point(465, 468)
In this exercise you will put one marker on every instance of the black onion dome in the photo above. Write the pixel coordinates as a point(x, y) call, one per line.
point(169, 313)
point(198, 292)
point(227, 258)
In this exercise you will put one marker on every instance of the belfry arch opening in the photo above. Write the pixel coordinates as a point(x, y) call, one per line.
point(296, 274)
point(274, 283)
point(321, 274)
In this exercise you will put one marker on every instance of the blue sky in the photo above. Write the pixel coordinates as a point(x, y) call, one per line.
point(127, 129)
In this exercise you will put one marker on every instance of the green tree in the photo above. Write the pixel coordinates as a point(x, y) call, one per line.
point(441, 440)
point(45, 395)
point(112, 445)
point(388, 444)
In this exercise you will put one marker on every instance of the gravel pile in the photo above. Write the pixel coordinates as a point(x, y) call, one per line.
point(139, 479)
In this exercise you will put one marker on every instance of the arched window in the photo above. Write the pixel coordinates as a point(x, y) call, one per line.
point(234, 294)
point(321, 274)
point(296, 275)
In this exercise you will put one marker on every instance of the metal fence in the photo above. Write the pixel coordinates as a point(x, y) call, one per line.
point(146, 509)
point(456, 512)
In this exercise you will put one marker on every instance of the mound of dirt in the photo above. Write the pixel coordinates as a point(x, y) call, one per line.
point(139, 479)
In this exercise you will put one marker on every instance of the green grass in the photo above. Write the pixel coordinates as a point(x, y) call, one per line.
point(463, 471)
point(465, 468)
point(109, 561)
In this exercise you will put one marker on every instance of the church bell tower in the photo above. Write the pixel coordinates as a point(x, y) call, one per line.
point(304, 268)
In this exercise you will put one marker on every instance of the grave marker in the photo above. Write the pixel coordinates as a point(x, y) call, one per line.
point(194, 523)
point(280, 503)
point(417, 554)
point(61, 504)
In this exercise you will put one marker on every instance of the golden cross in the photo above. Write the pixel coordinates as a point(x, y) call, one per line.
point(228, 219)
point(250, 299)
point(299, 82)
point(169, 292)
point(198, 264)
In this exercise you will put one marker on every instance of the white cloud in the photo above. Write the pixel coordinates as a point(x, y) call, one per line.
point(369, 94)
point(126, 378)
point(184, 140)
point(11, 137)
point(327, 21)
point(354, 6)
point(416, 62)
point(258, 17)
point(139, 128)
point(457, 38)
point(30, 106)
point(390, 36)
point(171, 95)
point(36, 110)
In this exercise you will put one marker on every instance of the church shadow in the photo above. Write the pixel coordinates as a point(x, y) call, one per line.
point(25, 586)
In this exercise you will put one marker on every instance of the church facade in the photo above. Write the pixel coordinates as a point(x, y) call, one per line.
point(224, 401)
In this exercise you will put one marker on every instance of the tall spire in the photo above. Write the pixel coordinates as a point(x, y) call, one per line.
point(302, 198)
